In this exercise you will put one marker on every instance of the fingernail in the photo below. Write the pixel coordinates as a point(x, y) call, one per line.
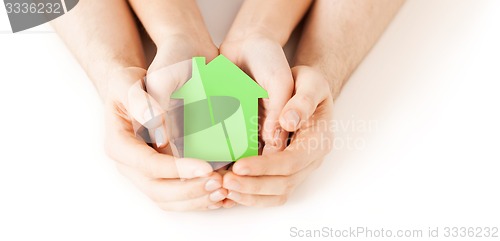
point(277, 134)
point(191, 168)
point(214, 206)
point(160, 139)
point(234, 196)
point(216, 196)
point(293, 118)
point(232, 185)
point(232, 204)
point(212, 185)
point(200, 173)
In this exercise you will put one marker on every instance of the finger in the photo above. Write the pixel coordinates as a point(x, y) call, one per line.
point(280, 142)
point(163, 82)
point(267, 185)
point(228, 203)
point(310, 90)
point(160, 84)
point(216, 205)
point(312, 142)
point(207, 202)
point(273, 73)
point(279, 87)
point(143, 108)
point(124, 147)
point(257, 200)
point(168, 190)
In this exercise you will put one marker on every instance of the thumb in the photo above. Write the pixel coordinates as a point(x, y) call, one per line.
point(309, 93)
point(145, 110)
point(279, 93)
point(278, 81)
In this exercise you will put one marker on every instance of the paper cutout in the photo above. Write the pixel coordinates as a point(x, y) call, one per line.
point(220, 111)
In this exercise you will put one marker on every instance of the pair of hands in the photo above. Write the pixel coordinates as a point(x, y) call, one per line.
point(299, 101)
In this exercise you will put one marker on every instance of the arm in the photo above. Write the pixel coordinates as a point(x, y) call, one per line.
point(337, 36)
point(177, 28)
point(103, 37)
point(275, 20)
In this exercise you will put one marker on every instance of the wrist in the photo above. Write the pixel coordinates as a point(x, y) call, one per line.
point(275, 19)
point(233, 46)
point(187, 42)
point(114, 85)
point(241, 34)
point(329, 80)
point(193, 35)
point(177, 48)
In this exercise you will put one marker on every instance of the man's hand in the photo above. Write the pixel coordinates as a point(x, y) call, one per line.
point(331, 54)
point(267, 180)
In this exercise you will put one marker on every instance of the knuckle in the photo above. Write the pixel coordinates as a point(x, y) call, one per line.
point(292, 168)
point(282, 200)
point(156, 190)
point(252, 188)
point(152, 194)
point(261, 168)
point(306, 100)
point(192, 193)
point(288, 187)
point(317, 164)
point(121, 170)
point(250, 201)
point(155, 197)
point(148, 166)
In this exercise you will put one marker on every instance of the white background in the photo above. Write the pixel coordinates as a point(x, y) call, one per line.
point(431, 84)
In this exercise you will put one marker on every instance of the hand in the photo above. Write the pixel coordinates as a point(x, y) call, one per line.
point(170, 69)
point(264, 60)
point(179, 47)
point(160, 176)
point(268, 180)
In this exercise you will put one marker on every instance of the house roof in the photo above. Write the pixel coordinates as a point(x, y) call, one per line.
point(220, 77)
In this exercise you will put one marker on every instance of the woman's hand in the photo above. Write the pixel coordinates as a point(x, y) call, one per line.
point(175, 184)
point(268, 180)
point(264, 60)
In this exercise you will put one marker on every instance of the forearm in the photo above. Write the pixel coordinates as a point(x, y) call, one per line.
point(168, 19)
point(103, 37)
point(339, 33)
point(274, 19)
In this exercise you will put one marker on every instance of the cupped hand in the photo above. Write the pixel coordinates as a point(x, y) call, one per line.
point(264, 60)
point(175, 184)
point(269, 179)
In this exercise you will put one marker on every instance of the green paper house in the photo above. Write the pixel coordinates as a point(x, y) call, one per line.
point(220, 111)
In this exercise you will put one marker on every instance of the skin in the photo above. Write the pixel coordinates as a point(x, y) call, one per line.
point(112, 56)
point(329, 51)
point(108, 47)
